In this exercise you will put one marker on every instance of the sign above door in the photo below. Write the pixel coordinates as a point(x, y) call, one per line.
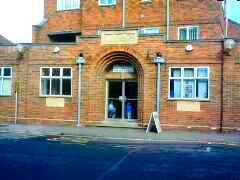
point(119, 37)
point(123, 68)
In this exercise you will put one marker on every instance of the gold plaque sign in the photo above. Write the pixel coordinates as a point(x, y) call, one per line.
point(119, 37)
point(55, 102)
point(188, 106)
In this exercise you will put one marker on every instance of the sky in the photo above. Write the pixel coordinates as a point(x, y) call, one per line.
point(17, 17)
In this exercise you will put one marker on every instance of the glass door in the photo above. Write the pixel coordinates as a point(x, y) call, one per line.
point(114, 107)
point(122, 100)
point(131, 98)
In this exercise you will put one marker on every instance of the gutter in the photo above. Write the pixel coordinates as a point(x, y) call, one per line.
point(222, 86)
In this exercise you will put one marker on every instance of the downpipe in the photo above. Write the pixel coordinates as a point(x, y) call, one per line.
point(222, 86)
point(168, 19)
point(79, 96)
point(79, 61)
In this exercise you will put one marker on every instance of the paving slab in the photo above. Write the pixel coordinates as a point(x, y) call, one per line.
point(123, 134)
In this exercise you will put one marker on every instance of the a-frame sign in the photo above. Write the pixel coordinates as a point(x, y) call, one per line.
point(154, 122)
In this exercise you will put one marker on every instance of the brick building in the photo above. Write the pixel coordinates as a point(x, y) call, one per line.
point(97, 62)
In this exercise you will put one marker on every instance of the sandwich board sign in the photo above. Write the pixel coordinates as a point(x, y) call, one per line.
point(154, 122)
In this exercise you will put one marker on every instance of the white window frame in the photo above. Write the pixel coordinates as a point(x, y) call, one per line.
point(61, 77)
point(188, 27)
point(146, 1)
point(195, 78)
point(144, 30)
point(2, 77)
point(61, 5)
point(107, 3)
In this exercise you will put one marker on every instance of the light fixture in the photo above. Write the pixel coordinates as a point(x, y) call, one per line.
point(189, 48)
point(80, 59)
point(20, 48)
point(20, 51)
point(158, 58)
point(229, 44)
point(56, 50)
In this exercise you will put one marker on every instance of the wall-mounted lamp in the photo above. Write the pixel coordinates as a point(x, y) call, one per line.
point(189, 48)
point(80, 59)
point(56, 50)
point(158, 58)
point(229, 44)
point(20, 51)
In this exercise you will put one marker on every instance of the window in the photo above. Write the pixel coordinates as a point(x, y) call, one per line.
point(188, 33)
point(63, 38)
point(5, 81)
point(106, 2)
point(146, 1)
point(67, 4)
point(189, 83)
point(56, 81)
point(149, 30)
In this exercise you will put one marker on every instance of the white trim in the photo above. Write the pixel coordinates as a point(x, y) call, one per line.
point(106, 100)
point(146, 1)
point(145, 30)
point(188, 27)
point(2, 77)
point(189, 78)
point(61, 77)
point(62, 5)
point(107, 3)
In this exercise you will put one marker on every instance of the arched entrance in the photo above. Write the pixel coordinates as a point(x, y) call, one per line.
point(123, 77)
point(121, 92)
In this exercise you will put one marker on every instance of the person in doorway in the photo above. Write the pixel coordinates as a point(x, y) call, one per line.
point(111, 110)
point(129, 110)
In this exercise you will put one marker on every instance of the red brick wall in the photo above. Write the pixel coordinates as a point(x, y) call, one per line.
point(7, 104)
point(90, 17)
point(232, 88)
point(33, 107)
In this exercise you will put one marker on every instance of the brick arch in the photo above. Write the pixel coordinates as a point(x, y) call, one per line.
point(127, 55)
point(107, 56)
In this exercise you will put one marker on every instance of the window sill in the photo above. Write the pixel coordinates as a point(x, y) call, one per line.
point(146, 2)
point(5, 96)
point(187, 41)
point(184, 99)
point(106, 5)
point(151, 35)
point(42, 96)
point(70, 10)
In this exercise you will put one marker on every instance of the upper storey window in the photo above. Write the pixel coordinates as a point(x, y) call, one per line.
point(149, 30)
point(106, 2)
point(188, 33)
point(63, 5)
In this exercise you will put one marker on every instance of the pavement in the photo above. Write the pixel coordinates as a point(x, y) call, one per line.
point(120, 134)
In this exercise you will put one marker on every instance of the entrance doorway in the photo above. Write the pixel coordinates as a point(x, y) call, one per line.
point(122, 100)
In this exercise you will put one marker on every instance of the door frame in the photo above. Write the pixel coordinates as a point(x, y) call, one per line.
point(123, 119)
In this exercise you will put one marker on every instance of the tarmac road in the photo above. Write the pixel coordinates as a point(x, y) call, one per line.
point(64, 158)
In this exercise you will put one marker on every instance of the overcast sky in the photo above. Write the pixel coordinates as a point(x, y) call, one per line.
point(17, 17)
